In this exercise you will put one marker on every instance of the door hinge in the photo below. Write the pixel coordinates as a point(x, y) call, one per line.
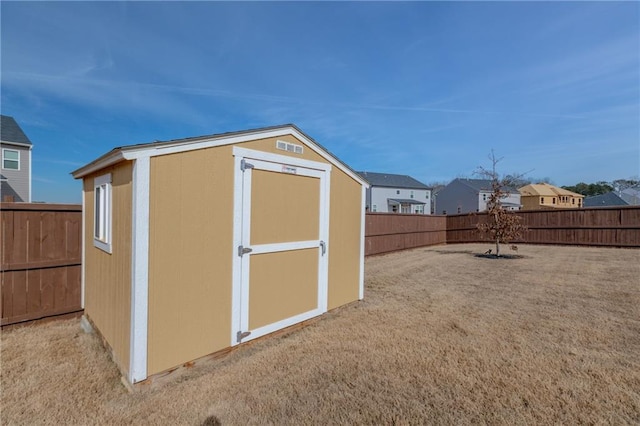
point(244, 165)
point(323, 247)
point(243, 250)
point(241, 335)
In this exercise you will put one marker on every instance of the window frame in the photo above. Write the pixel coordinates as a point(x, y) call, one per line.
point(4, 150)
point(102, 212)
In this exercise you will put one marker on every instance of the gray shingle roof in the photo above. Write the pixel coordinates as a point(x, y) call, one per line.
point(482, 185)
point(10, 131)
point(604, 200)
point(392, 181)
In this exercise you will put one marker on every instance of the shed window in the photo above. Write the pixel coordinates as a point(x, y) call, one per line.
point(10, 159)
point(102, 212)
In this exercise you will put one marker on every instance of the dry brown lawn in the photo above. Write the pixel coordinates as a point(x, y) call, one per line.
point(443, 337)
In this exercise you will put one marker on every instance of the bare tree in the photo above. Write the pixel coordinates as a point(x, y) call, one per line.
point(502, 225)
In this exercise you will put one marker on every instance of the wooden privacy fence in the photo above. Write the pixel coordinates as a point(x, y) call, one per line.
point(40, 260)
point(613, 226)
point(385, 232)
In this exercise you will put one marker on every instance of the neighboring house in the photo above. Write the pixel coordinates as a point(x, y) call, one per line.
point(15, 179)
point(631, 196)
point(610, 199)
point(470, 196)
point(542, 196)
point(390, 193)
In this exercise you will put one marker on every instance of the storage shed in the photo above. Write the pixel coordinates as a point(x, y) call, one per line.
point(196, 245)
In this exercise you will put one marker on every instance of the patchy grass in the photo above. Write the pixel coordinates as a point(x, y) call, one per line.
point(444, 337)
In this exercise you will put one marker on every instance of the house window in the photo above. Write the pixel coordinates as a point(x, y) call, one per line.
point(411, 194)
point(10, 159)
point(397, 191)
point(419, 209)
point(484, 197)
point(573, 201)
point(374, 208)
point(102, 212)
point(553, 200)
point(541, 200)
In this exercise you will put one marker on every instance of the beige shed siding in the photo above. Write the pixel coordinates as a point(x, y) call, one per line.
point(190, 246)
point(290, 276)
point(108, 276)
point(344, 239)
point(272, 218)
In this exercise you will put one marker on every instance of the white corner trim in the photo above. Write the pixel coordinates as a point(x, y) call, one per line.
point(236, 261)
point(84, 248)
point(363, 218)
point(139, 271)
point(30, 173)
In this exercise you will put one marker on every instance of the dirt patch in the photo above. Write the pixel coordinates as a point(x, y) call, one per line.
point(551, 338)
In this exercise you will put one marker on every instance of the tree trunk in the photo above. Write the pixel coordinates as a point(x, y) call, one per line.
point(497, 248)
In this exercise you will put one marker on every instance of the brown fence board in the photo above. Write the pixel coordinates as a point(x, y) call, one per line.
point(40, 269)
point(386, 232)
point(613, 227)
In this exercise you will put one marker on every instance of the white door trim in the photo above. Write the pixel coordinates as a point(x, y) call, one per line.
point(241, 234)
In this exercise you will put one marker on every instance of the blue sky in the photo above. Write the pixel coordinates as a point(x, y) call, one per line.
point(425, 89)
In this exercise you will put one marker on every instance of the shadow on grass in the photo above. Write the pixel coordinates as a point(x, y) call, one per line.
point(502, 256)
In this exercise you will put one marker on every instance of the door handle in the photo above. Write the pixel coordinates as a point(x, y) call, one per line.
point(323, 247)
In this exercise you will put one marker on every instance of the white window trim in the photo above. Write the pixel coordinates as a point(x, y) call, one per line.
point(3, 159)
point(104, 243)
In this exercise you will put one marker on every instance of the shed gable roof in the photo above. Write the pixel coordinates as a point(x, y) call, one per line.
point(390, 180)
point(10, 131)
point(131, 152)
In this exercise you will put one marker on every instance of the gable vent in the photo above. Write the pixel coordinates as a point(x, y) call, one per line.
point(290, 147)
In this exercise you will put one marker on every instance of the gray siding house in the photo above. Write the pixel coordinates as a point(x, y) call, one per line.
point(390, 193)
point(15, 158)
point(470, 196)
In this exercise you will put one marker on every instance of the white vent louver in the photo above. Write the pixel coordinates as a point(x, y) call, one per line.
point(286, 146)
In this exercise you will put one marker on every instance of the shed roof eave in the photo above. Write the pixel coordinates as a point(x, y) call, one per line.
point(106, 160)
point(133, 152)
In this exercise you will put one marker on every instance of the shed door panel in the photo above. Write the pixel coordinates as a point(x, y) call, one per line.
point(284, 207)
point(283, 285)
point(284, 264)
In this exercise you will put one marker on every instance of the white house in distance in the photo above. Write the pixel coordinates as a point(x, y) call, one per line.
point(15, 174)
point(390, 193)
point(470, 196)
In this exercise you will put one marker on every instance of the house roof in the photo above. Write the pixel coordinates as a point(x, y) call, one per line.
point(479, 185)
point(631, 196)
point(545, 189)
point(10, 131)
point(390, 180)
point(604, 200)
point(131, 152)
point(404, 201)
